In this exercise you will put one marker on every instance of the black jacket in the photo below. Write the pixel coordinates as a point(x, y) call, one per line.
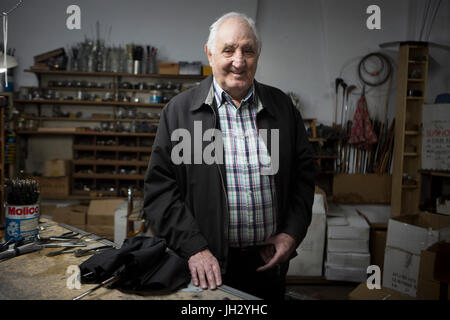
point(187, 204)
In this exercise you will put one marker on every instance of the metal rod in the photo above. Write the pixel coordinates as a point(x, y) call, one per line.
point(12, 9)
point(107, 281)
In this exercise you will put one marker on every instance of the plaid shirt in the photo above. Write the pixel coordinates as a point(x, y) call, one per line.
point(251, 198)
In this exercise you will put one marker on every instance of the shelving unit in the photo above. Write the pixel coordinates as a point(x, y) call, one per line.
point(412, 80)
point(324, 162)
point(104, 162)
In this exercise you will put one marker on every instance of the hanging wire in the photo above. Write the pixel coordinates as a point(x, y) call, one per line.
point(424, 18)
point(432, 19)
point(13, 8)
point(5, 38)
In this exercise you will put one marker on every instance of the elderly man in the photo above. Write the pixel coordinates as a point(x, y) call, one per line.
point(233, 221)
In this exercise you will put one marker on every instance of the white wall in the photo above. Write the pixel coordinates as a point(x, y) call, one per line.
point(177, 28)
point(306, 43)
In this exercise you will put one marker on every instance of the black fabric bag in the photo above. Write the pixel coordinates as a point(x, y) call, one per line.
point(142, 263)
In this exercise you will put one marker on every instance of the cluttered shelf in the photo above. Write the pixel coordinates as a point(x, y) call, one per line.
point(115, 74)
point(91, 102)
point(73, 131)
point(89, 119)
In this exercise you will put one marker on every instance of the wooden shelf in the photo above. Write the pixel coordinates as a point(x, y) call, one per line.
point(108, 176)
point(436, 173)
point(317, 139)
point(325, 156)
point(411, 133)
point(415, 98)
point(417, 62)
point(112, 148)
point(411, 154)
point(409, 186)
point(415, 80)
point(116, 74)
point(93, 103)
point(81, 133)
point(110, 163)
point(91, 119)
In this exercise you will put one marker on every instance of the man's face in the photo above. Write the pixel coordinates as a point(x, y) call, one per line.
point(235, 57)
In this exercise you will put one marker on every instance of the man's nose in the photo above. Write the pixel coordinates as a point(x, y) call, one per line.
point(238, 60)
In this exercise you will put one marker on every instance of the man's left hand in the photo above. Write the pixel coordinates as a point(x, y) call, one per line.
point(283, 244)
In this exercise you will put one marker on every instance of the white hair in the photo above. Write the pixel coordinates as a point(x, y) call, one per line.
point(211, 44)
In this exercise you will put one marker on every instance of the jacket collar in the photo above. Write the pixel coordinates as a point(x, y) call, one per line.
point(202, 91)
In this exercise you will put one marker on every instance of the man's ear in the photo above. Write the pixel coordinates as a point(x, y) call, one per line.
point(208, 54)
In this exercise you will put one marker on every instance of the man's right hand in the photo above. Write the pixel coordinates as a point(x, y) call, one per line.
point(205, 270)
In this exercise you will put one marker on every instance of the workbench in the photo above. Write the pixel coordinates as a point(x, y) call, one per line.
point(35, 276)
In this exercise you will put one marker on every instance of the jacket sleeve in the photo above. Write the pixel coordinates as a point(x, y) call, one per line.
point(164, 207)
point(298, 216)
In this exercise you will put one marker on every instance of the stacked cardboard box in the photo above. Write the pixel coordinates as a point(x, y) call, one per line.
point(347, 245)
point(73, 215)
point(100, 217)
point(309, 261)
point(407, 237)
point(434, 269)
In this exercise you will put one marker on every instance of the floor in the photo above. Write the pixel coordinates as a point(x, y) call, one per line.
point(319, 291)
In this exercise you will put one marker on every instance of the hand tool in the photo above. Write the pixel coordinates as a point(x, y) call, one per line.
point(78, 252)
point(107, 281)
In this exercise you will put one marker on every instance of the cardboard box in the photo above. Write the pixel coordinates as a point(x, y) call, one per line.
point(51, 187)
point(168, 68)
point(435, 129)
point(206, 70)
point(443, 206)
point(339, 273)
point(362, 188)
point(102, 231)
point(74, 215)
point(378, 217)
point(414, 233)
point(349, 259)
point(377, 246)
point(355, 227)
point(309, 261)
point(429, 287)
point(57, 168)
point(401, 271)
point(47, 209)
point(361, 292)
point(348, 245)
point(407, 236)
point(101, 212)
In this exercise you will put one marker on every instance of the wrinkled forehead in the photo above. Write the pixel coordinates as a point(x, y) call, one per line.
point(235, 31)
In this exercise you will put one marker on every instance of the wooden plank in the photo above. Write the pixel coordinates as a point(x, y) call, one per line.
point(116, 74)
point(108, 176)
point(111, 148)
point(35, 276)
point(110, 163)
point(93, 103)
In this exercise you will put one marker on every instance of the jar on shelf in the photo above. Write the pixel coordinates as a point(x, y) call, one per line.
point(155, 96)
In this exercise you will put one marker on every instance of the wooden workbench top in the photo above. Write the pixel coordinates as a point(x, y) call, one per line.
point(35, 276)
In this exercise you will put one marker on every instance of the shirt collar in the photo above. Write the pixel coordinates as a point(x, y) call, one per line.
point(220, 94)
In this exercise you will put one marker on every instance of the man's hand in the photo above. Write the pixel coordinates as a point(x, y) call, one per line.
point(279, 248)
point(205, 269)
